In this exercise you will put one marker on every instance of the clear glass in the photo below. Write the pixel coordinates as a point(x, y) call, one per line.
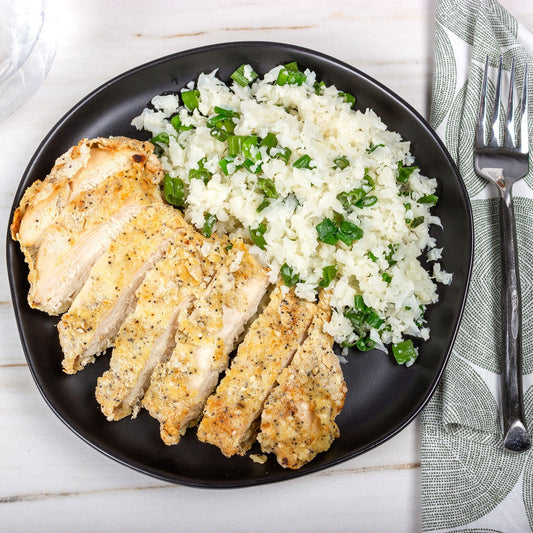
point(27, 49)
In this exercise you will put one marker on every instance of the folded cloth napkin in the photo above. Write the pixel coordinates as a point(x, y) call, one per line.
point(469, 482)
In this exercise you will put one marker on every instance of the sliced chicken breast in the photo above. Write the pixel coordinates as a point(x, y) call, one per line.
point(231, 415)
point(179, 388)
point(298, 420)
point(108, 296)
point(147, 337)
point(85, 229)
point(81, 168)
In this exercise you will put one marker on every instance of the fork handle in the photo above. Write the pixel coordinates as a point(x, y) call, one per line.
point(516, 438)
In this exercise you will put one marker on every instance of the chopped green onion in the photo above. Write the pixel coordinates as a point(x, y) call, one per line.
point(252, 166)
point(365, 344)
point(240, 77)
point(373, 320)
point(341, 162)
point(221, 122)
point(417, 221)
point(229, 247)
point(209, 222)
point(328, 274)
point(263, 205)
point(319, 87)
point(162, 138)
point(404, 172)
point(229, 113)
point(327, 231)
point(386, 277)
point(235, 144)
point(284, 154)
point(367, 201)
point(190, 99)
point(372, 147)
point(393, 248)
point(404, 352)
point(429, 199)
point(348, 98)
point(349, 232)
point(223, 163)
point(175, 121)
point(268, 187)
point(290, 75)
point(174, 190)
point(369, 182)
point(288, 275)
point(359, 304)
point(357, 318)
point(303, 162)
point(350, 198)
point(292, 66)
point(269, 141)
point(371, 256)
point(219, 134)
point(249, 148)
point(201, 172)
point(257, 235)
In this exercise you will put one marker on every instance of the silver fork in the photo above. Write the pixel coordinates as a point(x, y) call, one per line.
point(504, 165)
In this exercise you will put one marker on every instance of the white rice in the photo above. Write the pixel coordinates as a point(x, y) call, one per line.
point(324, 127)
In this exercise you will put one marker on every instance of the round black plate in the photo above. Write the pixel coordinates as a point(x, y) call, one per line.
point(382, 397)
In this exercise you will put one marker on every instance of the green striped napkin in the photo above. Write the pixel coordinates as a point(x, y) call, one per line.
point(469, 482)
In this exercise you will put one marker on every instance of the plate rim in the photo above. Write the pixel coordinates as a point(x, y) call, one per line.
point(287, 474)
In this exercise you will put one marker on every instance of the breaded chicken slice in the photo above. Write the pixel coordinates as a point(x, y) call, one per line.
point(179, 388)
point(82, 168)
point(66, 222)
point(147, 336)
point(231, 415)
point(108, 296)
point(298, 420)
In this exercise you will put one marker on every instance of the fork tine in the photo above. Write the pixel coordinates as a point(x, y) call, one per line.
point(482, 117)
point(523, 147)
point(495, 130)
point(509, 138)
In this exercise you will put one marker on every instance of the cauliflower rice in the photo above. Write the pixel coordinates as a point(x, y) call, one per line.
point(284, 208)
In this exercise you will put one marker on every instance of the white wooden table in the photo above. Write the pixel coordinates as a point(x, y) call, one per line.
point(52, 481)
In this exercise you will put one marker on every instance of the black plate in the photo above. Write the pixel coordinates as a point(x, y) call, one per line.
point(382, 397)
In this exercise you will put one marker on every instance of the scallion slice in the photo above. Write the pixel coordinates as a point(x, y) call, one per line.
point(267, 187)
point(240, 77)
point(365, 344)
point(190, 99)
point(303, 162)
point(209, 222)
point(404, 172)
point(257, 235)
point(373, 147)
point(174, 190)
point(269, 141)
point(349, 232)
point(175, 121)
point(284, 154)
point(341, 162)
point(429, 199)
point(417, 221)
point(327, 231)
point(162, 138)
point(348, 98)
point(373, 320)
point(288, 275)
point(328, 274)
point(404, 352)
